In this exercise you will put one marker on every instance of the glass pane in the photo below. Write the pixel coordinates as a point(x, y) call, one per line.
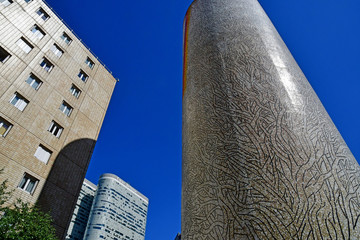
point(22, 183)
point(2, 130)
point(30, 186)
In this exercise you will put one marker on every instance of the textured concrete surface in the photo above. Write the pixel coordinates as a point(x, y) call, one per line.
point(261, 157)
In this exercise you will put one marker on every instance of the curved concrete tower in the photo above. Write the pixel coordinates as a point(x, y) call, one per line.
point(261, 157)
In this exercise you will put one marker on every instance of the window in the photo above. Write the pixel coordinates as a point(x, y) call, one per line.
point(66, 38)
point(27, 1)
point(19, 101)
point(28, 183)
point(5, 127)
point(75, 91)
point(57, 50)
point(83, 76)
point(90, 63)
point(55, 129)
point(4, 55)
point(24, 45)
point(37, 31)
point(34, 82)
point(46, 64)
point(43, 154)
point(6, 2)
point(66, 108)
point(41, 12)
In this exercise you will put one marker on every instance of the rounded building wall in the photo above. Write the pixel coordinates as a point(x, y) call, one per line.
point(118, 211)
point(261, 157)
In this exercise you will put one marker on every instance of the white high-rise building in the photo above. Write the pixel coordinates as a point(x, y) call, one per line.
point(112, 210)
point(118, 212)
point(81, 213)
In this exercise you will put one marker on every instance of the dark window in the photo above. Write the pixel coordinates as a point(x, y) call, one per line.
point(4, 55)
point(41, 12)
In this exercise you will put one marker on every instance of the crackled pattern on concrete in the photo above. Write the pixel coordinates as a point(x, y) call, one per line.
point(261, 157)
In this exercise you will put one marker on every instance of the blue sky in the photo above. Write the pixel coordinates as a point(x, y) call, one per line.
point(141, 42)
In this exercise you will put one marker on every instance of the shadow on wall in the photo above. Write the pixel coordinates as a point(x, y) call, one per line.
point(61, 190)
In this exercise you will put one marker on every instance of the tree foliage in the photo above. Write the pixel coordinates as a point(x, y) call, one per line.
point(23, 221)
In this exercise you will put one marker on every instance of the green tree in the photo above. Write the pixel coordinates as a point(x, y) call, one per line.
point(23, 221)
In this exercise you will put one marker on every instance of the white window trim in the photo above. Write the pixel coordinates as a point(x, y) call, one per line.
point(57, 126)
point(42, 13)
point(75, 91)
point(56, 50)
point(38, 32)
point(34, 79)
point(66, 107)
point(6, 2)
point(42, 154)
point(7, 130)
point(21, 103)
point(46, 63)
point(24, 45)
point(27, 183)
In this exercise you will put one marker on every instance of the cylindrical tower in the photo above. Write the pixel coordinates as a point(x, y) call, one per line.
point(261, 157)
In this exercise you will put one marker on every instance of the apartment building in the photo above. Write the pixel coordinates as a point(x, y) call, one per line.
point(54, 93)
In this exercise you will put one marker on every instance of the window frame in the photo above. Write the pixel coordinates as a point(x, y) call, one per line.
point(55, 129)
point(34, 79)
point(45, 62)
point(6, 2)
point(41, 150)
point(5, 53)
point(24, 185)
point(90, 63)
point(56, 49)
point(64, 107)
point(42, 13)
point(24, 45)
point(83, 76)
point(66, 38)
point(21, 102)
point(37, 31)
point(2, 122)
point(73, 90)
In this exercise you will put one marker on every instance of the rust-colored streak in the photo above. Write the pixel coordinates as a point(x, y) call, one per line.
point(186, 29)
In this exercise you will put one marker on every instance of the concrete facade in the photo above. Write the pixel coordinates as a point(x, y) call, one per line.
point(81, 213)
point(261, 157)
point(118, 212)
point(48, 128)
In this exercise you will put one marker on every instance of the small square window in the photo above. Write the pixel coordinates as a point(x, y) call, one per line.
point(41, 12)
point(37, 31)
point(24, 45)
point(66, 38)
point(57, 50)
point(90, 63)
point(28, 183)
point(19, 101)
point(83, 76)
point(43, 154)
point(4, 55)
point(46, 64)
point(6, 2)
point(5, 127)
point(55, 129)
point(75, 91)
point(33, 81)
point(66, 108)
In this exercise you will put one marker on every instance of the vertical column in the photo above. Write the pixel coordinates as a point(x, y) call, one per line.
point(261, 157)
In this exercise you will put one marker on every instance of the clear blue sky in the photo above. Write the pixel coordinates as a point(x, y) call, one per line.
point(141, 42)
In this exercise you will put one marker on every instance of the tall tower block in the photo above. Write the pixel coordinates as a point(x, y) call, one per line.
point(261, 157)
